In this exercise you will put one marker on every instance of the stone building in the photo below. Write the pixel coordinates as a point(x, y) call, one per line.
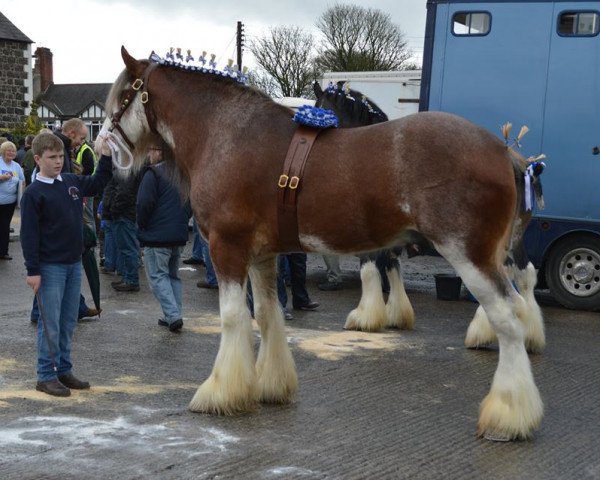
point(20, 84)
point(16, 79)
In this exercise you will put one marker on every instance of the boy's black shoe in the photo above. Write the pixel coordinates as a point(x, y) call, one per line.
point(5, 257)
point(126, 287)
point(54, 388)
point(205, 284)
point(162, 323)
point(70, 381)
point(116, 282)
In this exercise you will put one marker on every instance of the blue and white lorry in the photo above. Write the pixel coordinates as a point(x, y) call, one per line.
point(533, 63)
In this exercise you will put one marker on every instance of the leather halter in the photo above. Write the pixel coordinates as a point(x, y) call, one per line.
point(289, 185)
point(130, 93)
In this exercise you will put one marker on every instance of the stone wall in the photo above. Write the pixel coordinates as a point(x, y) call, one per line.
point(13, 76)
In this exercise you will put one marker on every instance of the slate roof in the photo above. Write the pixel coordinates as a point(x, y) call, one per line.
point(9, 32)
point(71, 99)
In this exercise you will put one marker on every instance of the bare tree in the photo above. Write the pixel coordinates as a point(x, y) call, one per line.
point(360, 39)
point(286, 56)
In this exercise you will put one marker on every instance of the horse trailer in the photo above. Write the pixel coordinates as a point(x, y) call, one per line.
point(533, 63)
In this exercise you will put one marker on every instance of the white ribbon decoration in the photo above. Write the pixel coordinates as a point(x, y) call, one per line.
point(117, 146)
point(528, 177)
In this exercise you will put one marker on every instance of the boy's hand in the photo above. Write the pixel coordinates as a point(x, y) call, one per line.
point(34, 282)
point(102, 147)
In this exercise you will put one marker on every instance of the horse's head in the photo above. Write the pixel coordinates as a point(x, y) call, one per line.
point(352, 108)
point(126, 126)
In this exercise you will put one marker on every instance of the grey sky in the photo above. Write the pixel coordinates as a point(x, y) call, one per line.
point(89, 52)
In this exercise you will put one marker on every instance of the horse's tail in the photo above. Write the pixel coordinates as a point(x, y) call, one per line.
point(528, 184)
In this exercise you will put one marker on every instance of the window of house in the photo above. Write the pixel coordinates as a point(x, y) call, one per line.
point(578, 24)
point(471, 23)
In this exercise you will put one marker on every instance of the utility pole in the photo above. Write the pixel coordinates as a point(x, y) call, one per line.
point(240, 43)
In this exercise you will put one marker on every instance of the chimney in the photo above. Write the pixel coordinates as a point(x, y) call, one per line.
point(42, 72)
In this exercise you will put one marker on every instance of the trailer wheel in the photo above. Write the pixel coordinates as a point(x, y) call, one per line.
point(573, 272)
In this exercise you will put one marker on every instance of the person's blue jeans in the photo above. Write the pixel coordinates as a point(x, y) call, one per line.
point(59, 297)
point(211, 277)
point(197, 243)
point(111, 252)
point(162, 265)
point(129, 249)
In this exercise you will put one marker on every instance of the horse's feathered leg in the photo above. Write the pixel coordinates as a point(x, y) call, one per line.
point(535, 337)
point(480, 332)
point(399, 311)
point(231, 388)
point(513, 407)
point(275, 367)
point(370, 315)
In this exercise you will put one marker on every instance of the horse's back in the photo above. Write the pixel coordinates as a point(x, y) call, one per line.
point(430, 171)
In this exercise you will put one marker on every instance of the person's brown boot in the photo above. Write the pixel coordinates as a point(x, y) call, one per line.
point(69, 380)
point(53, 387)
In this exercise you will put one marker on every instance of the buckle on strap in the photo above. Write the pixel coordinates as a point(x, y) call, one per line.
point(144, 97)
point(283, 181)
point(137, 84)
point(294, 181)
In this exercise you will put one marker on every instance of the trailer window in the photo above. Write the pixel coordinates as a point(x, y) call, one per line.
point(578, 24)
point(471, 23)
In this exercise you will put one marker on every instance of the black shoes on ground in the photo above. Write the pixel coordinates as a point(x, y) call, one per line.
point(309, 307)
point(173, 327)
point(61, 387)
point(205, 284)
point(89, 313)
point(5, 257)
point(70, 381)
point(125, 287)
point(54, 388)
point(193, 261)
point(330, 286)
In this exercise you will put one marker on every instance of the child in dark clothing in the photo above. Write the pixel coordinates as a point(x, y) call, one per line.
point(52, 242)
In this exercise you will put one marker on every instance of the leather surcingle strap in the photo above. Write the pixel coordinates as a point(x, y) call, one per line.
point(289, 187)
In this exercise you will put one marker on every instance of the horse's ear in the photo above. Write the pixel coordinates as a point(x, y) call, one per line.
point(134, 67)
point(317, 89)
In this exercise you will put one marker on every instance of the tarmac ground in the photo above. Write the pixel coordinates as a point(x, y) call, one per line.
point(395, 404)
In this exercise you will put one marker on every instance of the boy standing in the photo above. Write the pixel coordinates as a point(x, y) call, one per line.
point(52, 242)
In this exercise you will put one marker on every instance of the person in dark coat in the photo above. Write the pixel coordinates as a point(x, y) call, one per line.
point(122, 209)
point(162, 220)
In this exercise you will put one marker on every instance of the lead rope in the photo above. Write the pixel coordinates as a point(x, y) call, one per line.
point(117, 145)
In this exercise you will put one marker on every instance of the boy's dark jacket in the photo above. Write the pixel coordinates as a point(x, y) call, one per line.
point(52, 217)
point(162, 217)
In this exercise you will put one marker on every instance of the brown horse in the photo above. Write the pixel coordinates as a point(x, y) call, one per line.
point(353, 109)
point(434, 173)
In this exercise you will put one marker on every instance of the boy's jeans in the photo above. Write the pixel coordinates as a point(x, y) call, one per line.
point(129, 249)
point(59, 297)
point(162, 265)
